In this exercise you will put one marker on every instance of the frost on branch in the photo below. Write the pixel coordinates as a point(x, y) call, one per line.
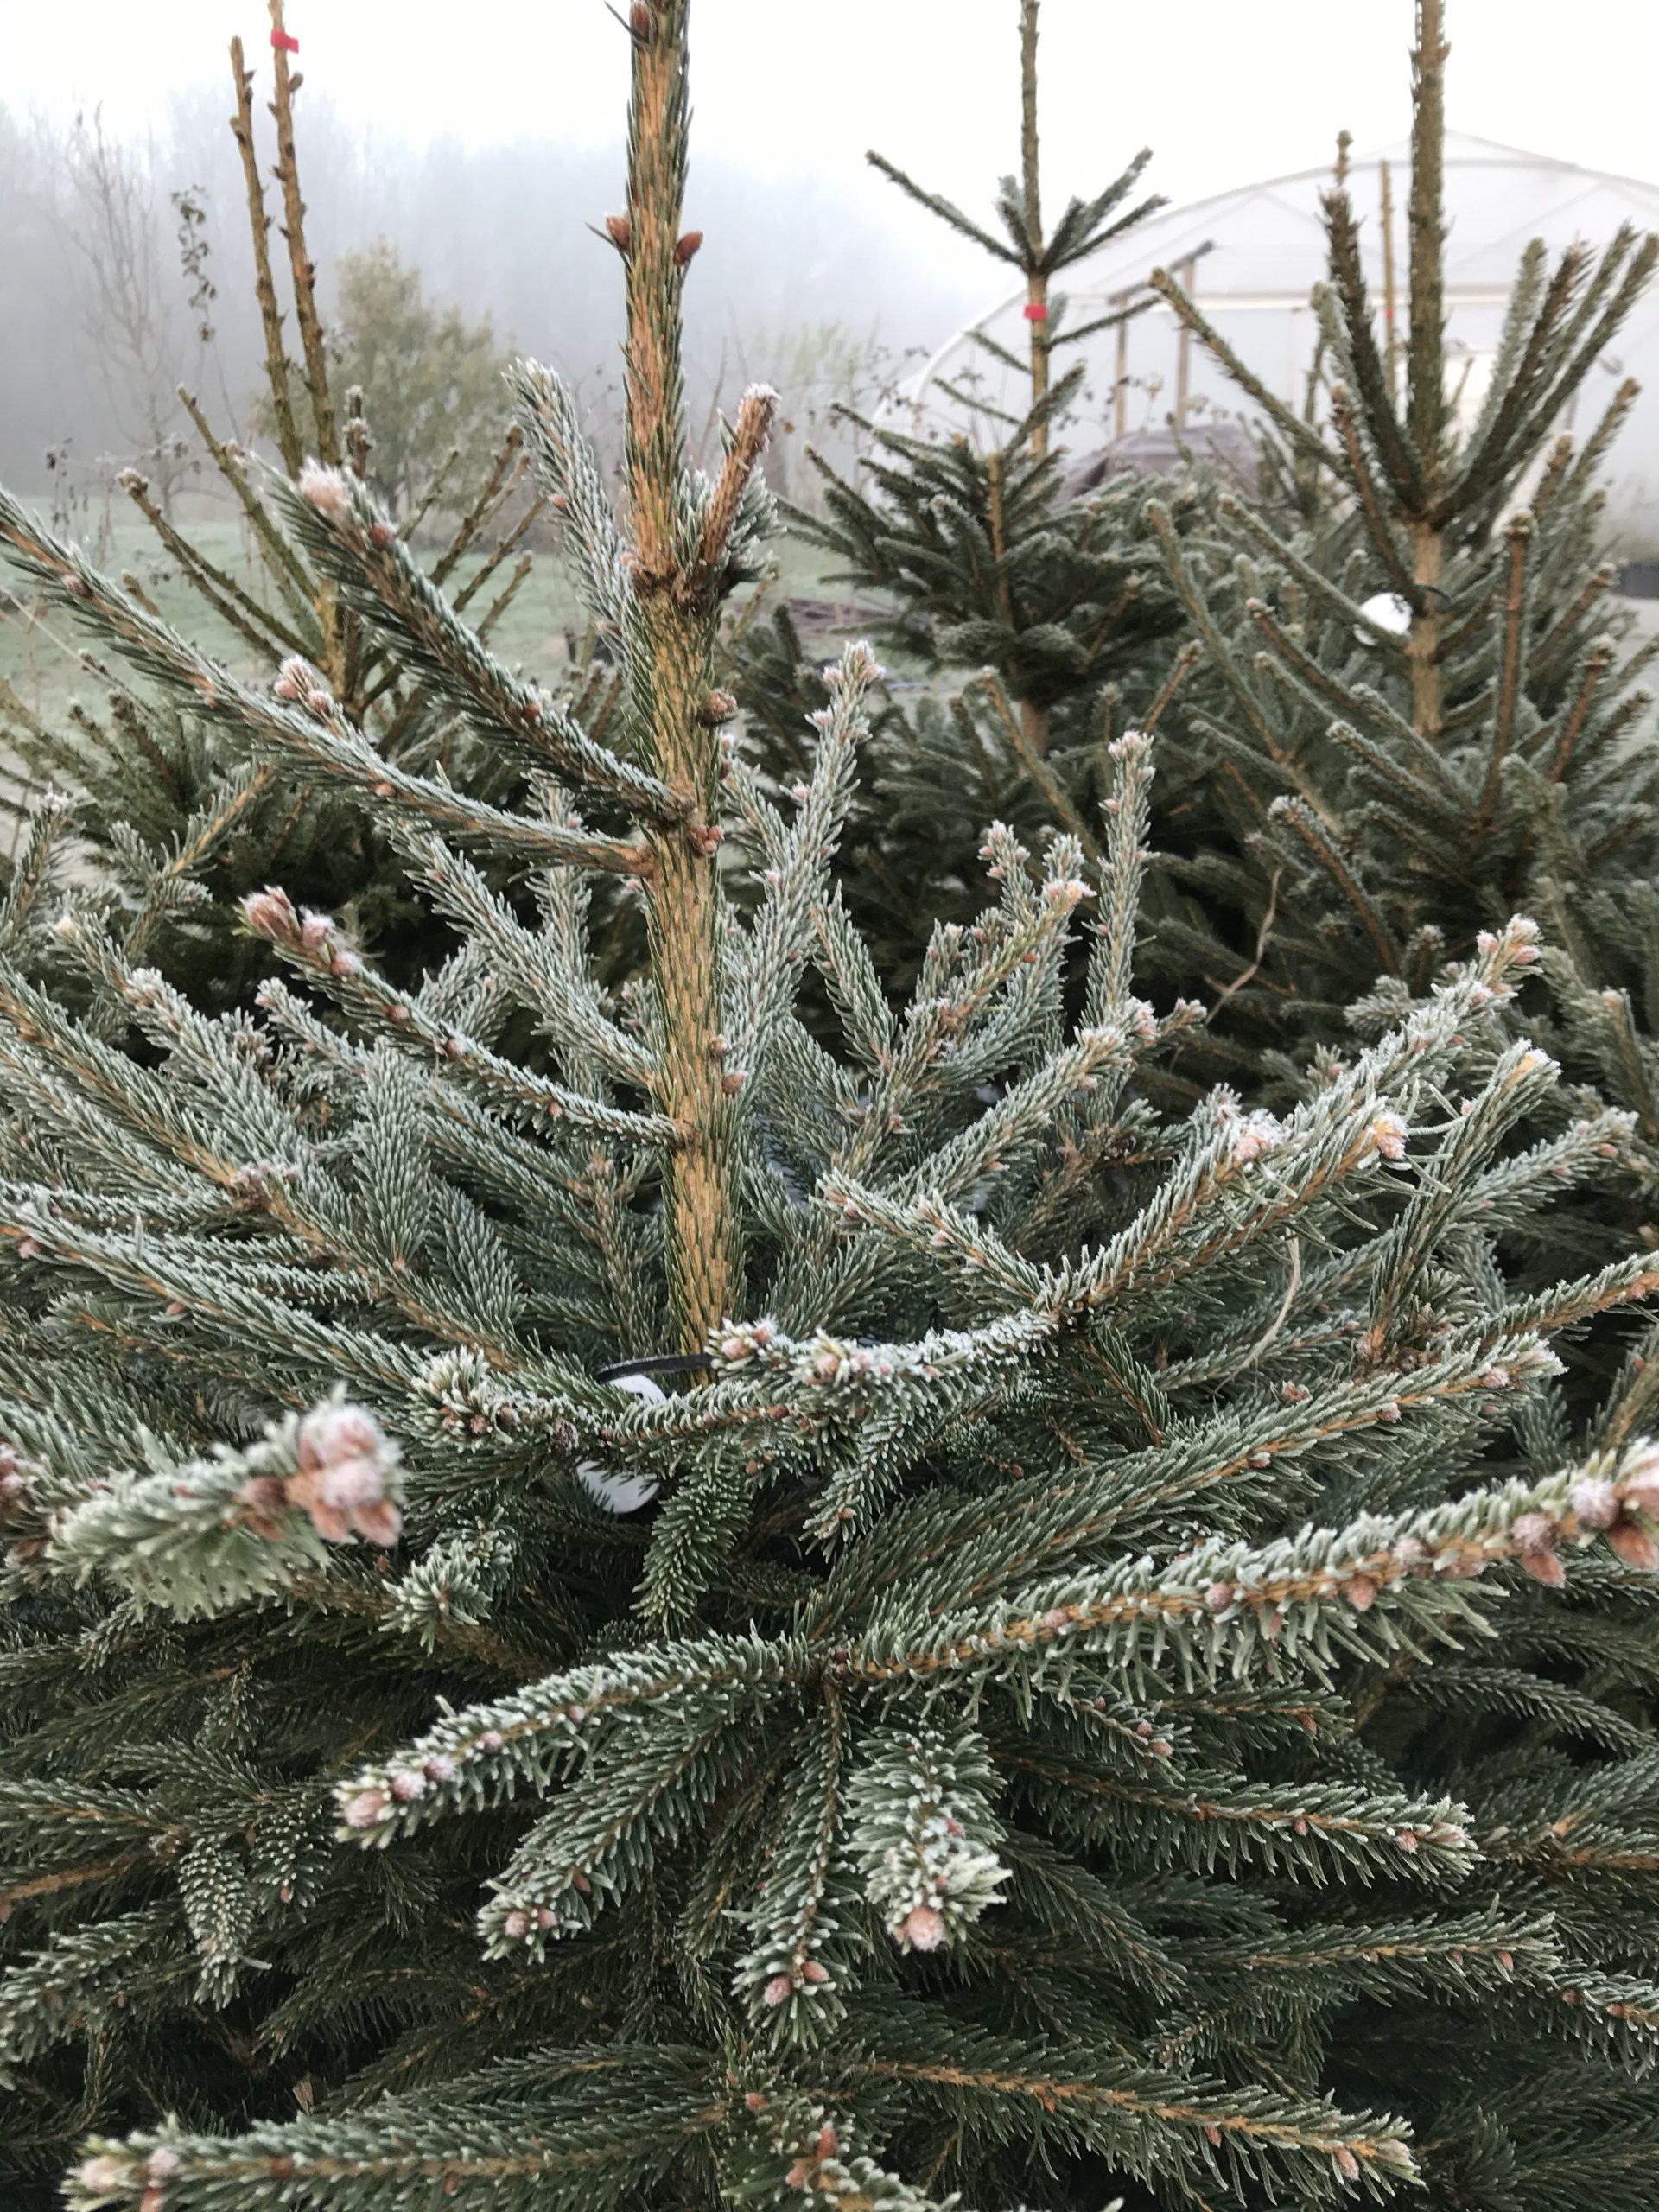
point(218, 1531)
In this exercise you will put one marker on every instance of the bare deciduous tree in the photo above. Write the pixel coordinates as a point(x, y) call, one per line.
point(109, 218)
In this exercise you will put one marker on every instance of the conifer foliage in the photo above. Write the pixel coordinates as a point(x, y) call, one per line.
point(956, 1772)
point(172, 826)
point(1046, 609)
point(1416, 711)
point(985, 570)
point(985, 562)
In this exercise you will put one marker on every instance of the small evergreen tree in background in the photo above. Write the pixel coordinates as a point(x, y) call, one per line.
point(1415, 715)
point(172, 826)
point(431, 381)
point(952, 1743)
point(1366, 779)
point(1049, 614)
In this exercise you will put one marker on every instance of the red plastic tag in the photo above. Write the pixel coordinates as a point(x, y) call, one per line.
point(1034, 311)
point(284, 42)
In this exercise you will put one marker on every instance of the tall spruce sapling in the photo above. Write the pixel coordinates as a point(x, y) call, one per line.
point(1416, 711)
point(969, 540)
point(1368, 778)
point(173, 826)
point(961, 1768)
point(1047, 613)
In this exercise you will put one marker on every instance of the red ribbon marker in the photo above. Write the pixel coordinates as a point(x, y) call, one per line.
point(1034, 311)
point(284, 42)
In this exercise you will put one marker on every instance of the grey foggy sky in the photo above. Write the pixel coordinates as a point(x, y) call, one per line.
point(1223, 93)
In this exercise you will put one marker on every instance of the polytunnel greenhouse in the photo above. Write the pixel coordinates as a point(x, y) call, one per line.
point(1251, 257)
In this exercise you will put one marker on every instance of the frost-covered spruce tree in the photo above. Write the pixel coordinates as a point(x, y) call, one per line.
point(1416, 711)
point(171, 823)
point(923, 1747)
point(1044, 612)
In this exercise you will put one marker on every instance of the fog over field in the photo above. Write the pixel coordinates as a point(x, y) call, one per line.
point(500, 230)
point(481, 142)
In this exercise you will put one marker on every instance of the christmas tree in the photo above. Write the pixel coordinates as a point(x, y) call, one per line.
point(1416, 712)
point(1045, 606)
point(947, 1740)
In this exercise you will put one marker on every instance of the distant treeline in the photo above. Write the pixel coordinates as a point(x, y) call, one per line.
point(125, 270)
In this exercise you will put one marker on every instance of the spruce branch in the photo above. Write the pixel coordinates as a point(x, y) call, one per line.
point(300, 267)
point(200, 1538)
point(314, 948)
point(296, 587)
point(1426, 394)
point(545, 2134)
point(946, 210)
point(804, 1931)
point(355, 545)
point(314, 737)
point(265, 631)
